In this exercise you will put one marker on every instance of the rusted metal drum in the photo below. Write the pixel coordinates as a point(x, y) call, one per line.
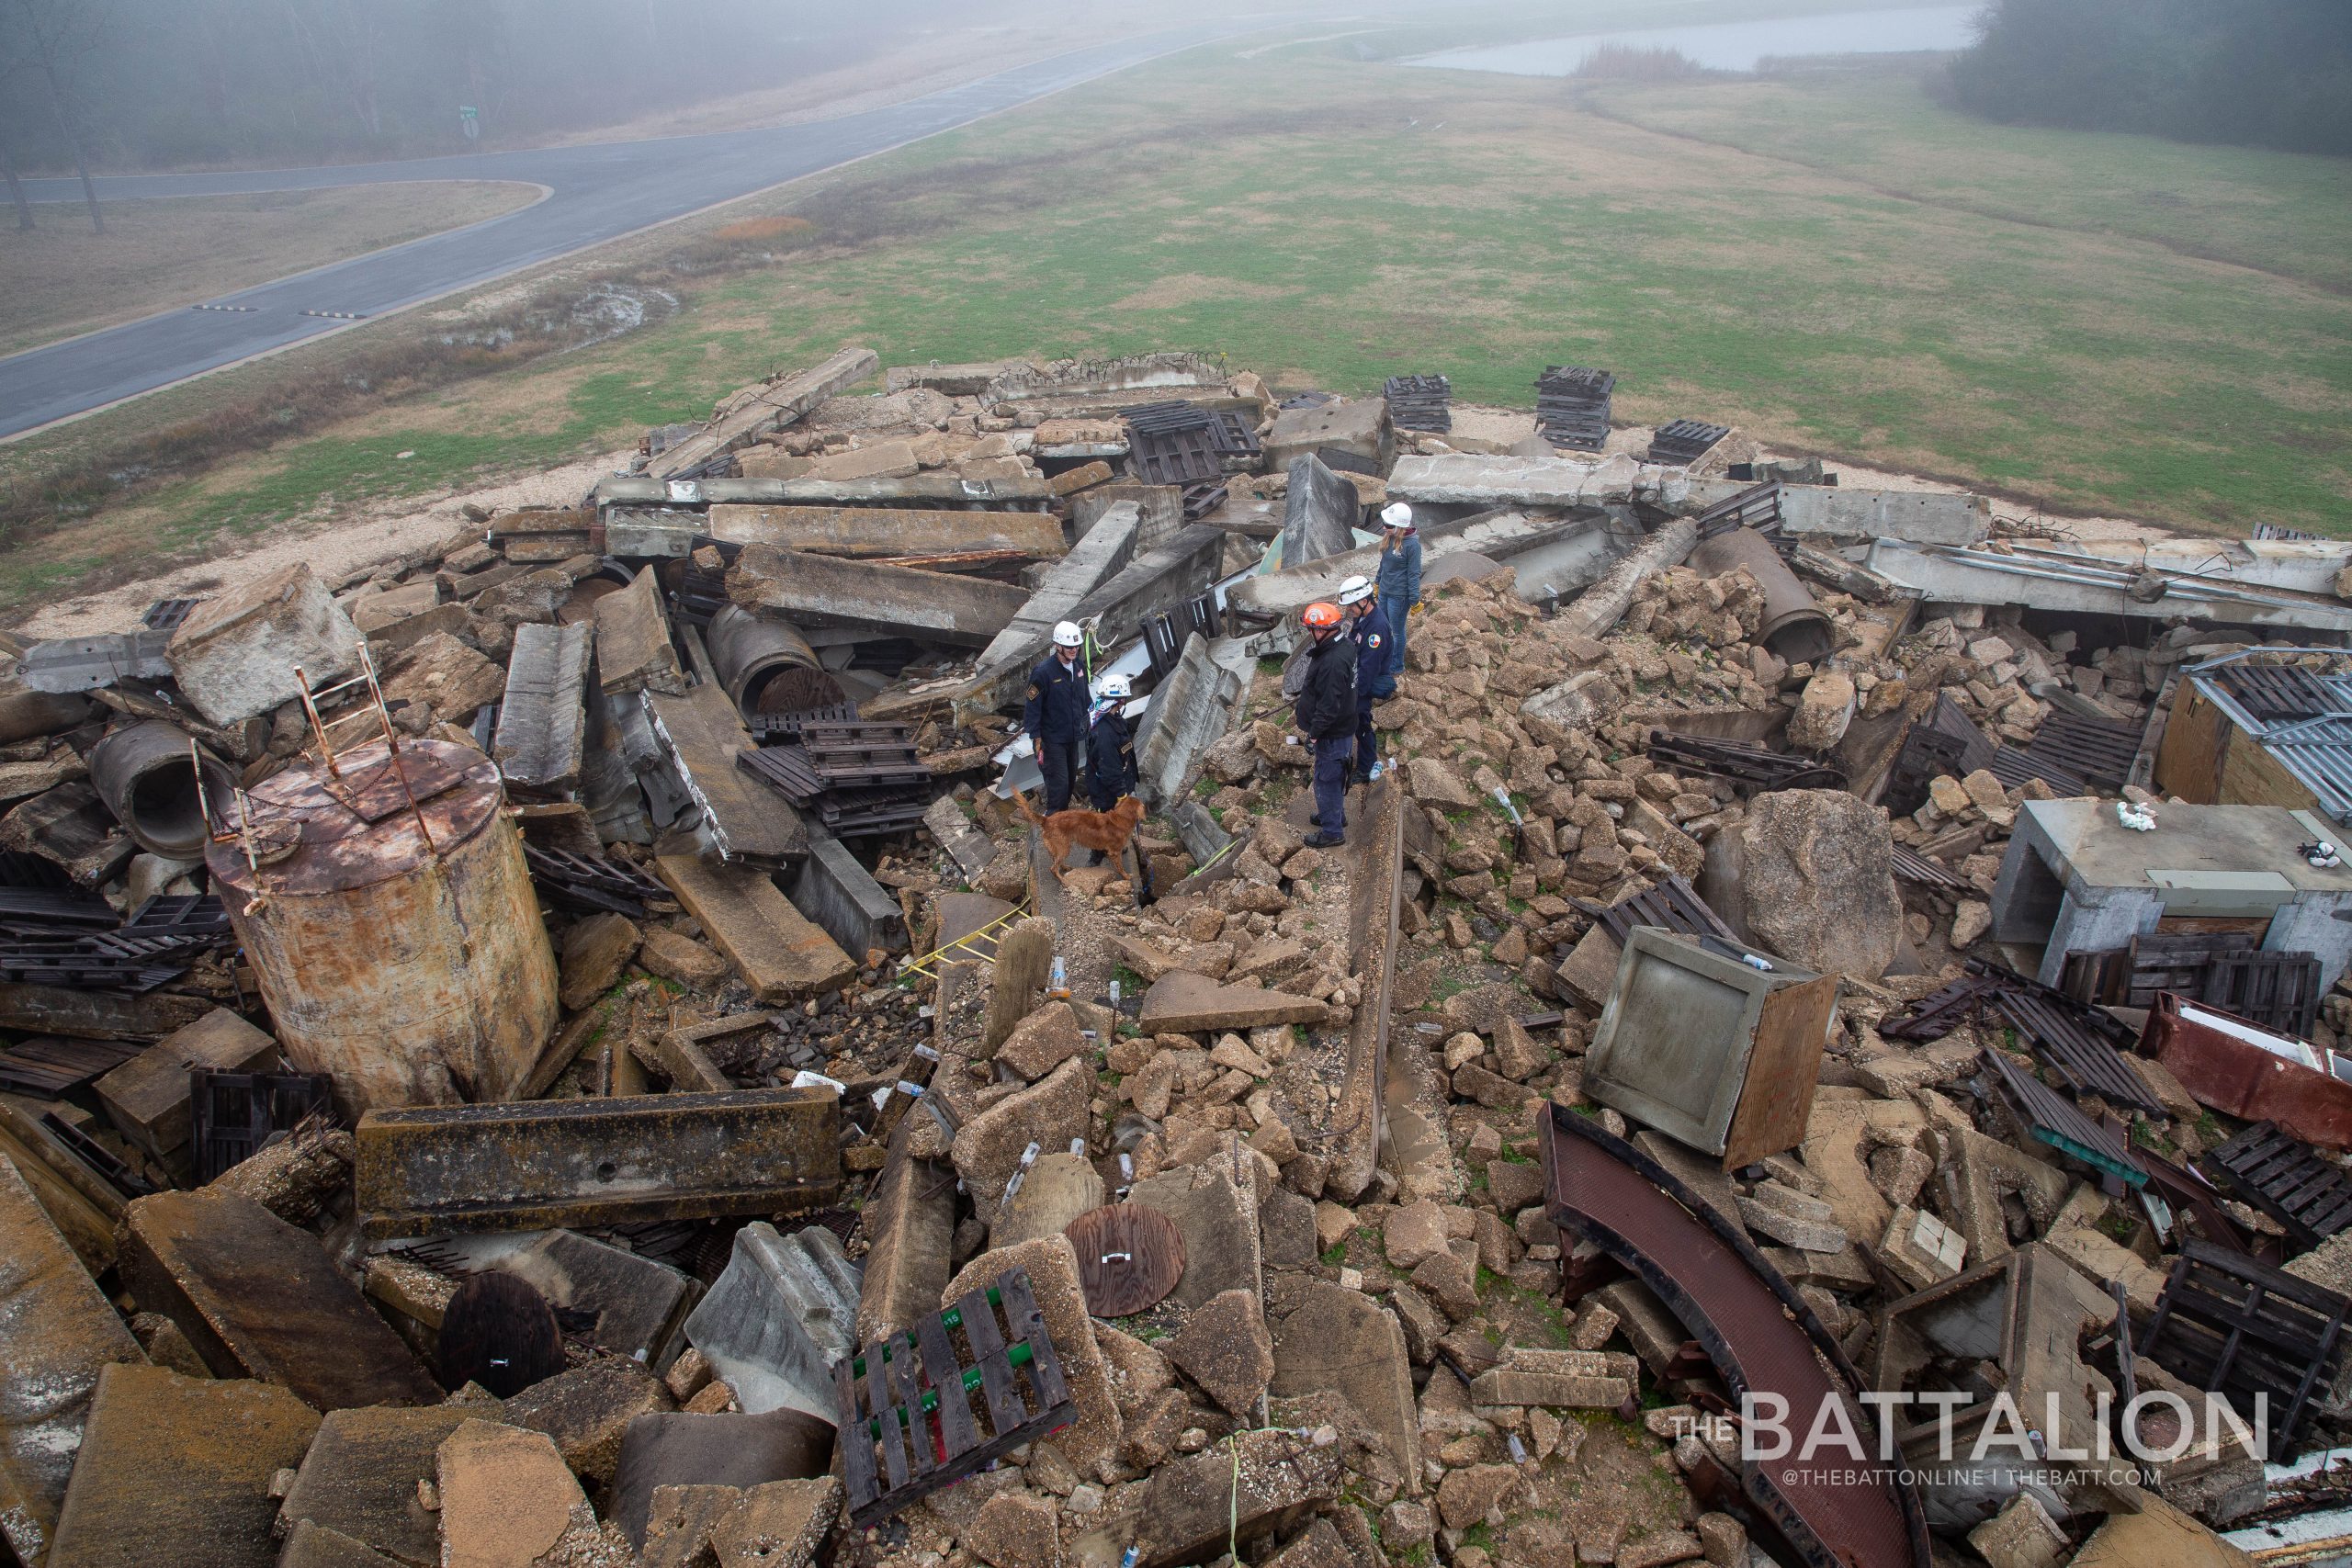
point(389, 913)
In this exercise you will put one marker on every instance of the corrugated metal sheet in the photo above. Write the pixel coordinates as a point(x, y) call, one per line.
point(2302, 715)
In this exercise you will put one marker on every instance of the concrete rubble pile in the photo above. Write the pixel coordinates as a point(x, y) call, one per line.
point(564, 1049)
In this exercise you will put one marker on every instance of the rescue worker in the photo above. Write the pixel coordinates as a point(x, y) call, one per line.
point(1399, 577)
point(1110, 748)
point(1327, 717)
point(1055, 715)
point(1375, 682)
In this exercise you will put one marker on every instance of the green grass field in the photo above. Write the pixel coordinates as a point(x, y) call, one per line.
point(2104, 324)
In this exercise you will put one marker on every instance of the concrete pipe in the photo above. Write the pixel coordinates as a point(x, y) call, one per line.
point(1793, 627)
point(145, 775)
point(766, 665)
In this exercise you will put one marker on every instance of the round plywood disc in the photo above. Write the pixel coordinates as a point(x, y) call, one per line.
point(1128, 1257)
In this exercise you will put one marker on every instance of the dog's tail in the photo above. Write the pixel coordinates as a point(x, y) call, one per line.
point(1027, 810)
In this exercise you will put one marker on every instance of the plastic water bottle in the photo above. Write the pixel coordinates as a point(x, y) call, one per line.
point(1058, 985)
point(1115, 994)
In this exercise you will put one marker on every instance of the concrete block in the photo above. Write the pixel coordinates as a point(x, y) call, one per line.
point(260, 1298)
point(904, 535)
point(1358, 426)
point(1219, 1224)
point(359, 1478)
point(1190, 712)
point(782, 1314)
point(691, 1452)
point(1190, 1504)
point(147, 1097)
point(423, 1171)
point(185, 1462)
point(634, 652)
point(236, 655)
point(58, 1332)
point(783, 955)
point(507, 1499)
point(588, 1409)
point(639, 1304)
point(315, 1546)
point(1186, 1003)
point(840, 896)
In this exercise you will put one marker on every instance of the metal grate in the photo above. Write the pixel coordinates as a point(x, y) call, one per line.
point(591, 884)
point(2286, 1178)
point(1572, 406)
point(1685, 441)
point(2229, 1324)
point(1673, 904)
point(232, 1115)
point(166, 615)
point(2049, 1117)
point(97, 1155)
point(1757, 507)
point(2065, 1038)
point(1919, 870)
point(909, 1425)
point(1747, 767)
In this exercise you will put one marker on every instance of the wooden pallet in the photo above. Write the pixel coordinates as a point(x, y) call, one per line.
point(48, 1066)
point(2229, 1324)
point(2276, 990)
point(910, 1424)
point(2286, 1178)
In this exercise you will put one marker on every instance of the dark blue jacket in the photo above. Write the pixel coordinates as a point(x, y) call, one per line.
point(1056, 710)
point(1327, 708)
point(1110, 760)
point(1376, 678)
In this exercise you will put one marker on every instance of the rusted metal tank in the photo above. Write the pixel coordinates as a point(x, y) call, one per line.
point(386, 909)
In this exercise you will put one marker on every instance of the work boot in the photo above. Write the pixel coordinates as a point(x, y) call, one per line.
point(1315, 819)
point(1326, 842)
point(1095, 857)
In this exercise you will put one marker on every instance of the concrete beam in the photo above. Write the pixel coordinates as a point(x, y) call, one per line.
point(542, 735)
point(1601, 606)
point(60, 1334)
point(864, 532)
point(936, 488)
point(1497, 537)
point(779, 1317)
point(634, 652)
point(1160, 579)
point(755, 410)
point(1102, 552)
point(702, 733)
point(885, 600)
point(1359, 426)
point(1460, 480)
point(260, 1298)
point(832, 890)
point(2072, 583)
point(783, 956)
point(970, 849)
point(585, 1163)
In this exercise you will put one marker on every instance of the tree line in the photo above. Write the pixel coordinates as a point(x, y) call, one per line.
point(2258, 72)
point(128, 85)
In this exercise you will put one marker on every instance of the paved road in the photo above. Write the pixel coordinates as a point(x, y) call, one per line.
point(599, 192)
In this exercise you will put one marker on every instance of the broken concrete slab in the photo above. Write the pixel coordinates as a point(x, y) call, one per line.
point(507, 1499)
point(1184, 1003)
point(1225, 1348)
point(1050, 1114)
point(703, 734)
point(904, 534)
point(1190, 712)
point(634, 652)
point(1857, 512)
point(777, 1524)
point(182, 1461)
point(1341, 1339)
point(1059, 1188)
point(723, 1451)
point(1357, 427)
point(840, 896)
point(782, 955)
point(315, 1546)
point(542, 735)
point(1320, 511)
point(595, 950)
point(359, 1477)
point(1462, 479)
point(147, 1097)
point(443, 675)
point(57, 1334)
point(1192, 1505)
point(779, 1317)
point(1102, 552)
point(584, 1163)
point(744, 416)
point(260, 1298)
point(249, 650)
point(970, 849)
point(73, 829)
point(2038, 577)
point(909, 1225)
point(638, 1304)
point(864, 596)
point(1216, 1215)
point(587, 1409)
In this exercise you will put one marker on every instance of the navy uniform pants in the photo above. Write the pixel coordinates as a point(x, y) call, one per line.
point(1058, 759)
point(1333, 756)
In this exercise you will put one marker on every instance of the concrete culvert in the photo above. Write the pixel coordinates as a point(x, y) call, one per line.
point(766, 665)
point(147, 776)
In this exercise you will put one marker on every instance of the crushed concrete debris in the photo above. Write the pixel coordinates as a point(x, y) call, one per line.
point(640, 882)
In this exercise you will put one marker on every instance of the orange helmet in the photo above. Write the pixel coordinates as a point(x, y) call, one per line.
point(1322, 613)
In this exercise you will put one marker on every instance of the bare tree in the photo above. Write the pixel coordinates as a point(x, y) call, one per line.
point(51, 39)
point(17, 192)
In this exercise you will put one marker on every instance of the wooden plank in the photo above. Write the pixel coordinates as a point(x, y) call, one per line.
point(946, 1376)
point(1005, 1409)
point(1776, 1097)
point(1028, 1320)
point(886, 1411)
point(857, 1444)
point(906, 1387)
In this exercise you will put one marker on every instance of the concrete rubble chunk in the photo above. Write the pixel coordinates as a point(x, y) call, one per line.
point(147, 1097)
point(784, 956)
point(184, 1461)
point(867, 532)
point(1809, 876)
point(316, 1546)
point(1320, 511)
point(1059, 1188)
point(1042, 1042)
point(588, 1409)
point(1192, 1504)
point(1226, 1348)
point(58, 1334)
point(1049, 1113)
point(814, 591)
point(541, 741)
point(723, 1451)
point(359, 1477)
point(1463, 479)
point(743, 416)
point(595, 950)
point(260, 1298)
point(634, 652)
point(1186, 1003)
point(970, 849)
point(427, 1171)
point(446, 677)
point(777, 1319)
point(1014, 1530)
point(2022, 1535)
point(777, 1524)
point(1342, 1339)
point(677, 1529)
point(236, 654)
point(1215, 1215)
point(507, 1499)
point(841, 896)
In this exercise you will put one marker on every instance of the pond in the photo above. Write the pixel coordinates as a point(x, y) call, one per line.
point(1736, 46)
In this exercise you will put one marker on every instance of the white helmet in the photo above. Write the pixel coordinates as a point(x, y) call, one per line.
point(1355, 591)
point(1067, 635)
point(1116, 688)
point(1397, 514)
